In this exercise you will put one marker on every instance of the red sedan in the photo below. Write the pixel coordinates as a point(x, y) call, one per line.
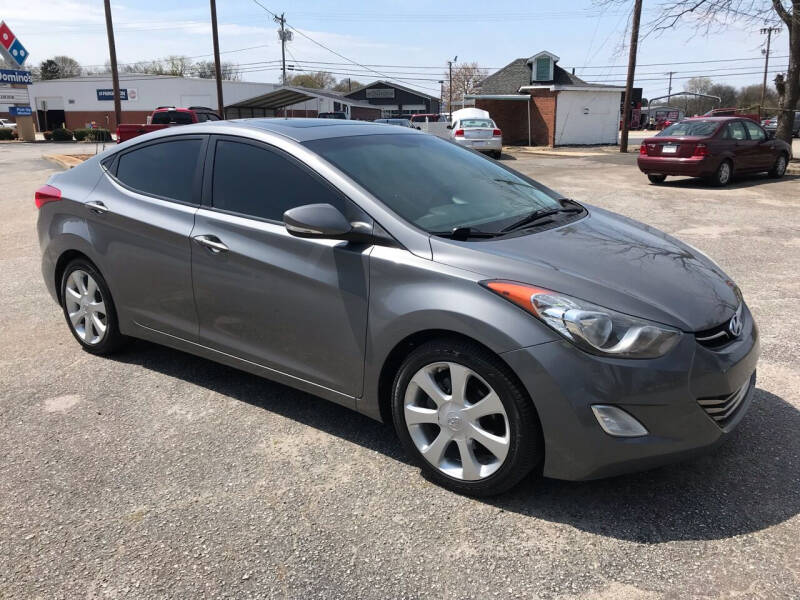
point(714, 148)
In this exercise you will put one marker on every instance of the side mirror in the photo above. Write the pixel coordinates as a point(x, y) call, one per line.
point(449, 126)
point(316, 221)
point(771, 135)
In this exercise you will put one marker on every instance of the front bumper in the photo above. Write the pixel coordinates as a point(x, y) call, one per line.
point(662, 394)
point(668, 165)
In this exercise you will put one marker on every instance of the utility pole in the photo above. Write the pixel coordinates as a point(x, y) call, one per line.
point(441, 95)
point(112, 51)
point(769, 31)
point(220, 103)
point(284, 36)
point(669, 89)
point(626, 111)
point(450, 87)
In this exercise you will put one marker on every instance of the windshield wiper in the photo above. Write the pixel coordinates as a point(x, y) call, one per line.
point(539, 215)
point(464, 233)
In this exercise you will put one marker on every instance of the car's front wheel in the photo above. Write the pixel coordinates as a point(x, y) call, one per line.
point(89, 308)
point(656, 178)
point(779, 168)
point(465, 418)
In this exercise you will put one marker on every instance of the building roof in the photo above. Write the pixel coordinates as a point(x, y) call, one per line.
point(394, 85)
point(288, 95)
point(517, 73)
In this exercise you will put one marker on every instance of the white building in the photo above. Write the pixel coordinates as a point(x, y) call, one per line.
point(78, 101)
point(536, 102)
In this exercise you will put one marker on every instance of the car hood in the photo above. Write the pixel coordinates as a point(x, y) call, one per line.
point(612, 261)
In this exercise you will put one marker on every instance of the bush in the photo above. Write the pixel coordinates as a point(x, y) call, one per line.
point(6, 133)
point(61, 135)
point(92, 135)
point(48, 135)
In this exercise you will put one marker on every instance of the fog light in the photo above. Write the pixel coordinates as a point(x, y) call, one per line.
point(617, 422)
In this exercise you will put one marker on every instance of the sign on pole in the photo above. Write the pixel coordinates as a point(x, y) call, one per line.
point(10, 46)
point(20, 111)
point(13, 76)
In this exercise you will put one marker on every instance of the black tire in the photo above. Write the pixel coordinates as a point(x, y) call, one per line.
point(721, 177)
point(112, 340)
point(497, 154)
point(778, 170)
point(656, 178)
point(526, 448)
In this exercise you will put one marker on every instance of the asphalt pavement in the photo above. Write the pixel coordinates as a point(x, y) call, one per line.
point(155, 474)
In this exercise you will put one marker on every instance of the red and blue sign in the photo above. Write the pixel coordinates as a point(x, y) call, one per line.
point(10, 46)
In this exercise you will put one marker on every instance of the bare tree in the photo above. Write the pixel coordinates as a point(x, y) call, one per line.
point(708, 15)
point(205, 69)
point(346, 85)
point(466, 78)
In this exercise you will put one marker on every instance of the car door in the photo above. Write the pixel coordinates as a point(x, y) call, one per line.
point(742, 146)
point(763, 147)
point(140, 216)
point(296, 306)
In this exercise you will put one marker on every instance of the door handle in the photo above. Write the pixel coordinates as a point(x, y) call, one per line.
point(97, 207)
point(211, 242)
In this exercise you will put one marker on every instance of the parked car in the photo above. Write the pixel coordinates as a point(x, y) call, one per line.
point(715, 148)
point(732, 112)
point(499, 326)
point(473, 128)
point(771, 125)
point(399, 122)
point(428, 118)
point(8, 124)
point(166, 116)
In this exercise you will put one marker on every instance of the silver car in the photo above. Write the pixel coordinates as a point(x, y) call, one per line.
point(501, 327)
point(479, 134)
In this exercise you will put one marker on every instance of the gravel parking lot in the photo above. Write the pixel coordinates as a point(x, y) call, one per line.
point(156, 474)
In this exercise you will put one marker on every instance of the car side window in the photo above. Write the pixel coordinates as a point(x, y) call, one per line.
point(254, 181)
point(166, 169)
point(756, 133)
point(735, 131)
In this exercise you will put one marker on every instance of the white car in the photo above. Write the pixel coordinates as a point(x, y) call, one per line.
point(7, 123)
point(474, 128)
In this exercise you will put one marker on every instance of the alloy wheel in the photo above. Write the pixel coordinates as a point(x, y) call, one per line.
point(724, 172)
point(780, 166)
point(85, 307)
point(457, 421)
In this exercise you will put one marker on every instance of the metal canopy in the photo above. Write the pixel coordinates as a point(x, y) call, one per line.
point(287, 96)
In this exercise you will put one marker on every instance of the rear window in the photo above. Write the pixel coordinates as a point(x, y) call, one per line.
point(467, 123)
point(690, 129)
point(165, 169)
point(171, 117)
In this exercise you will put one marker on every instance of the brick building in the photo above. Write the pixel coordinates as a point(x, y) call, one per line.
point(536, 102)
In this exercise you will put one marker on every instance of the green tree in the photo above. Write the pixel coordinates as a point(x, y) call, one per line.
point(319, 80)
point(346, 84)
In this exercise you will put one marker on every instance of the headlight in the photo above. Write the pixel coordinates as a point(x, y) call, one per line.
point(591, 327)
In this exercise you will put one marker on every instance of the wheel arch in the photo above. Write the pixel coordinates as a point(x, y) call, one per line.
point(64, 259)
point(394, 359)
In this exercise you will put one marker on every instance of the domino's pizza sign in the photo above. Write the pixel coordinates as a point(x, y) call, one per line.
point(10, 46)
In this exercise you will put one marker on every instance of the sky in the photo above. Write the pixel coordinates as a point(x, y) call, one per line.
point(394, 40)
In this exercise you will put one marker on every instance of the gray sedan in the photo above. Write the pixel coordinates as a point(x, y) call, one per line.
point(501, 327)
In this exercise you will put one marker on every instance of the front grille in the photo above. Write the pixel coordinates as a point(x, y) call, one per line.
point(724, 408)
point(718, 336)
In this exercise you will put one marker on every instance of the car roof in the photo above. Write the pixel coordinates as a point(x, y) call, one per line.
point(303, 130)
point(726, 118)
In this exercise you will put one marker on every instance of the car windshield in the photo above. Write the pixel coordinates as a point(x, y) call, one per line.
point(434, 184)
point(690, 129)
point(467, 123)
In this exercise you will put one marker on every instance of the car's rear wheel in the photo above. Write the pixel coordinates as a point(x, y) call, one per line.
point(465, 418)
point(656, 178)
point(722, 176)
point(89, 308)
point(779, 168)
point(497, 154)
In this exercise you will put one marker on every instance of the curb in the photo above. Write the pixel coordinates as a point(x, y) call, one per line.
point(65, 161)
